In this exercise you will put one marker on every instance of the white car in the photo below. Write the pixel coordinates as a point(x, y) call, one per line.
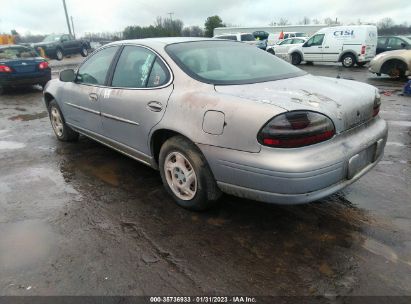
point(243, 37)
point(349, 45)
point(282, 47)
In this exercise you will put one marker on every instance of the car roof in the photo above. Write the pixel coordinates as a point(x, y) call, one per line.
point(161, 41)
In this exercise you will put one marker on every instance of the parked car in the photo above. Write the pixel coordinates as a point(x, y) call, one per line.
point(282, 47)
point(214, 115)
point(57, 46)
point(22, 66)
point(274, 38)
point(393, 63)
point(346, 44)
point(391, 43)
point(243, 37)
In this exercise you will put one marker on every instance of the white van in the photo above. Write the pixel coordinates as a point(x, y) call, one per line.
point(349, 45)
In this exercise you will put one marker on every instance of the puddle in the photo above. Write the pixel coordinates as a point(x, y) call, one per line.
point(20, 109)
point(25, 243)
point(27, 117)
point(10, 145)
point(105, 172)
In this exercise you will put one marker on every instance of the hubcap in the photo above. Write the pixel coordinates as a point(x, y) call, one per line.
point(84, 52)
point(59, 55)
point(347, 61)
point(180, 176)
point(56, 122)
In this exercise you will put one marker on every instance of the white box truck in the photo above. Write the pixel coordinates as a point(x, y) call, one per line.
point(351, 44)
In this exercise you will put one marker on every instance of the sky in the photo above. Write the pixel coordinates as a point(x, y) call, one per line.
point(47, 16)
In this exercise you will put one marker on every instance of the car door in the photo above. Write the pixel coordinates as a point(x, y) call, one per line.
point(313, 48)
point(67, 44)
point(81, 99)
point(281, 48)
point(137, 99)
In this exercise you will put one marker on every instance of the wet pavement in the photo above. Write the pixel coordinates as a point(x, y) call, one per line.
point(81, 219)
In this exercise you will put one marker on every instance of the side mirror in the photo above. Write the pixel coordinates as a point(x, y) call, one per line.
point(67, 75)
point(403, 45)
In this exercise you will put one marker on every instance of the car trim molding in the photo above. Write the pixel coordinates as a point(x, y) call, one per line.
point(83, 108)
point(119, 119)
point(119, 147)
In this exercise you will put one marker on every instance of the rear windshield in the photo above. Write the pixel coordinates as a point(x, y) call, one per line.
point(247, 37)
point(226, 62)
point(17, 53)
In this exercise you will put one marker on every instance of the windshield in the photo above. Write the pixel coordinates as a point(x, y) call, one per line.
point(52, 38)
point(226, 62)
point(17, 53)
point(300, 35)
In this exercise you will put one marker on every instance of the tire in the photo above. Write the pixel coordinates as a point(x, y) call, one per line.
point(271, 51)
point(59, 54)
point(61, 129)
point(295, 58)
point(394, 68)
point(83, 51)
point(186, 175)
point(361, 64)
point(1, 90)
point(309, 63)
point(348, 60)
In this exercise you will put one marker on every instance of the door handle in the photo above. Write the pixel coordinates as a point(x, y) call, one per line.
point(326, 47)
point(92, 96)
point(320, 47)
point(155, 106)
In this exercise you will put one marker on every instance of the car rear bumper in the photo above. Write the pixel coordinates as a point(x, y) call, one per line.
point(22, 80)
point(295, 176)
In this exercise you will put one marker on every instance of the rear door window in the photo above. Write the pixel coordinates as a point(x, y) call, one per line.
point(247, 37)
point(395, 43)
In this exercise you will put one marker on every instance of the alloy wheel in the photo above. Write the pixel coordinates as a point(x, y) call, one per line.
point(56, 122)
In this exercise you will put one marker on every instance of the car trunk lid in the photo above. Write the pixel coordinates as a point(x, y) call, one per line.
point(347, 103)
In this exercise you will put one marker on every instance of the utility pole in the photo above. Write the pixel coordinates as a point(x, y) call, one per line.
point(171, 16)
point(72, 26)
point(67, 18)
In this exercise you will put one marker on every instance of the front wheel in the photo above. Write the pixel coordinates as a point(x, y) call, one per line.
point(271, 51)
point(59, 54)
point(295, 59)
point(186, 175)
point(61, 129)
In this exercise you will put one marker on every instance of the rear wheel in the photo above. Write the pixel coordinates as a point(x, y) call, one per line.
point(348, 60)
point(186, 175)
point(84, 51)
point(61, 129)
point(271, 51)
point(295, 58)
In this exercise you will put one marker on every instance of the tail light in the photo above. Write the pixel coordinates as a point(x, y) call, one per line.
point(43, 65)
point(296, 129)
point(363, 49)
point(377, 104)
point(5, 69)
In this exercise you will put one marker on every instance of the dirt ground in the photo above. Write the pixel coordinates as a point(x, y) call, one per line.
point(81, 219)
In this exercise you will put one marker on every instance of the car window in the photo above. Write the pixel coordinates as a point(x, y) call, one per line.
point(65, 38)
point(315, 40)
point(247, 37)
point(17, 53)
point(395, 42)
point(94, 70)
point(133, 67)
point(381, 42)
point(300, 35)
point(287, 41)
point(298, 41)
point(159, 74)
point(226, 62)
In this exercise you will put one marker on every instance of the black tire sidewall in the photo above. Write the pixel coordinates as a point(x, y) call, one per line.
point(295, 59)
point(353, 60)
point(84, 51)
point(206, 195)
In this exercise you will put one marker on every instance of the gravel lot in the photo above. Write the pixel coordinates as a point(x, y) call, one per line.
point(81, 219)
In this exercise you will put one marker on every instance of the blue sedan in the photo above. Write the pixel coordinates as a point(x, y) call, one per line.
point(22, 66)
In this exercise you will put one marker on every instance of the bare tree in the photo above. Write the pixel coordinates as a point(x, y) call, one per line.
point(283, 21)
point(385, 23)
point(316, 21)
point(305, 21)
point(331, 22)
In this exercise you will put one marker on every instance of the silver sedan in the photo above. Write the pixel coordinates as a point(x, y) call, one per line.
point(219, 116)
